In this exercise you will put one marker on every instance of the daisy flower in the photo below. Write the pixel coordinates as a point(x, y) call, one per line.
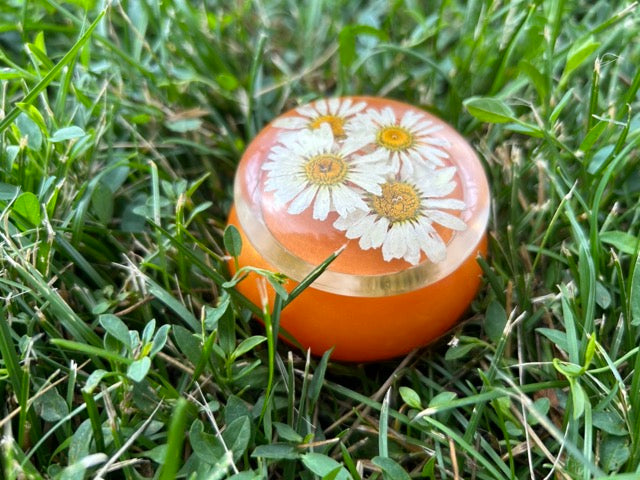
point(334, 112)
point(401, 218)
point(309, 167)
point(409, 140)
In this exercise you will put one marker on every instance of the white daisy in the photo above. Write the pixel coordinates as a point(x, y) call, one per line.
point(310, 167)
point(335, 112)
point(408, 140)
point(401, 219)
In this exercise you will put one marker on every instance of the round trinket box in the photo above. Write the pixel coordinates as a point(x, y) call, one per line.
point(402, 196)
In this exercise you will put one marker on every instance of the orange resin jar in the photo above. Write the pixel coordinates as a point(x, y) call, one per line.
point(397, 190)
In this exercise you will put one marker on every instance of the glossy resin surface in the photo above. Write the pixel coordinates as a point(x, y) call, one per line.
point(398, 191)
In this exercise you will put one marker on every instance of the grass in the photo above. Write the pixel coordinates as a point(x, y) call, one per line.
point(126, 355)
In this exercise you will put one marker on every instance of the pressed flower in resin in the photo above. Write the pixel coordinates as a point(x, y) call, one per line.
point(334, 112)
point(410, 138)
point(401, 219)
point(310, 167)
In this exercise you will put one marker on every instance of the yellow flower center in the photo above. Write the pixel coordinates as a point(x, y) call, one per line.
point(336, 124)
point(399, 202)
point(326, 169)
point(395, 138)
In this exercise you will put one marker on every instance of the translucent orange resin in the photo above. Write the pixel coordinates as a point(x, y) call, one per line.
point(400, 191)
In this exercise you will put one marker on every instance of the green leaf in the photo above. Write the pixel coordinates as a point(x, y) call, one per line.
point(347, 41)
point(159, 340)
point(525, 129)
point(315, 385)
point(184, 125)
point(80, 441)
point(542, 406)
point(227, 81)
point(67, 133)
point(564, 101)
point(148, 331)
point(276, 451)
point(487, 109)
point(175, 440)
point(156, 454)
point(578, 53)
point(232, 240)
point(94, 380)
point(102, 203)
point(287, 433)
point(623, 241)
point(495, 321)
point(237, 435)
point(8, 192)
point(568, 369)
point(614, 453)
point(276, 283)
point(139, 369)
point(603, 297)
point(578, 399)
point(115, 176)
point(28, 128)
point(538, 80)
point(204, 444)
point(600, 158)
point(213, 314)
point(51, 406)
point(442, 399)
point(246, 475)
point(28, 207)
point(116, 328)
point(248, 344)
point(459, 351)
point(557, 337)
point(610, 422)
point(188, 343)
point(410, 397)
point(391, 470)
point(323, 465)
point(634, 299)
point(592, 136)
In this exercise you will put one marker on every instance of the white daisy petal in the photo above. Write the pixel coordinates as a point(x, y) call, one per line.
point(378, 232)
point(321, 107)
point(350, 221)
point(412, 255)
point(302, 201)
point(322, 204)
point(306, 111)
point(446, 220)
point(395, 244)
point(387, 117)
point(409, 119)
point(334, 105)
point(286, 195)
point(290, 123)
point(426, 128)
point(431, 243)
point(349, 111)
point(361, 230)
point(346, 199)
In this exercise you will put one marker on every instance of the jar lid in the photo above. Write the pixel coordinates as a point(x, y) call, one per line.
point(396, 189)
